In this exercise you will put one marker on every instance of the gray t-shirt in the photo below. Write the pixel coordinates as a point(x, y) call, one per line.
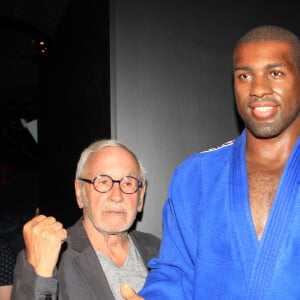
point(133, 271)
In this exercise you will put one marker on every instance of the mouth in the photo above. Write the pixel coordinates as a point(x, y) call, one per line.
point(264, 110)
point(114, 212)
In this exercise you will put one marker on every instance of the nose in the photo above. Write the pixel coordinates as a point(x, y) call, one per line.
point(260, 87)
point(115, 192)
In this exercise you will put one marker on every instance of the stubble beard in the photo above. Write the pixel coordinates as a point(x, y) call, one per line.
point(269, 129)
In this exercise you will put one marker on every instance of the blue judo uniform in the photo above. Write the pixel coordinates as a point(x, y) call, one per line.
point(210, 249)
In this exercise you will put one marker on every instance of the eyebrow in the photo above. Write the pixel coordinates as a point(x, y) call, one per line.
point(237, 68)
point(276, 64)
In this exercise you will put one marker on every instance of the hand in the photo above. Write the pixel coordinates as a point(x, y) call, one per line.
point(43, 237)
point(128, 293)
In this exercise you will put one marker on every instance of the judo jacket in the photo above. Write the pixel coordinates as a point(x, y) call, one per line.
point(210, 249)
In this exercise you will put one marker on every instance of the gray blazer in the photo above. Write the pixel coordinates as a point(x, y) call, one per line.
point(79, 275)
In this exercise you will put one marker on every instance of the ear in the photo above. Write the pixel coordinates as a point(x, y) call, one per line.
point(142, 194)
point(78, 192)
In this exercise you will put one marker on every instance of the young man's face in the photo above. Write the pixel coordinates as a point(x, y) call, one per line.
point(266, 86)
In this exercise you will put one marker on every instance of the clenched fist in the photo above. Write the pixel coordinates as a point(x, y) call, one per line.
point(43, 237)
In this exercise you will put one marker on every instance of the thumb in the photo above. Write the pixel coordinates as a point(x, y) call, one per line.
point(127, 291)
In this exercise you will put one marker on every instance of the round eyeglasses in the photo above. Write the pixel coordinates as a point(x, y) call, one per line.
point(104, 183)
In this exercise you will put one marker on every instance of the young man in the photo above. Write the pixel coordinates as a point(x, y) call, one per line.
point(232, 219)
point(101, 250)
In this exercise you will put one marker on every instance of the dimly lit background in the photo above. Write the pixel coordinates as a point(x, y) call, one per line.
point(153, 74)
point(54, 59)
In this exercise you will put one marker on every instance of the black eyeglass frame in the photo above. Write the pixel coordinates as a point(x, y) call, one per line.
point(92, 181)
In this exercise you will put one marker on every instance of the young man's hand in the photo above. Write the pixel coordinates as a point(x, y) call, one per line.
point(128, 293)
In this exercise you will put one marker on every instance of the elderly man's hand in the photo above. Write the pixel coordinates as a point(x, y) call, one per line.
point(43, 237)
point(129, 293)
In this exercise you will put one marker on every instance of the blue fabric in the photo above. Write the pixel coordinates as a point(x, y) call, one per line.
point(210, 249)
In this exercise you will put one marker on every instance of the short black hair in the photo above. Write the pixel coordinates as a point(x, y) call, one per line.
point(273, 33)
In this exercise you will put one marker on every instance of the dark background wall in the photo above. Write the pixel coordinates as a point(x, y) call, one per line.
point(64, 84)
point(76, 107)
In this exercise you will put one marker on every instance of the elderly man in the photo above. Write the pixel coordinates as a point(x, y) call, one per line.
point(101, 250)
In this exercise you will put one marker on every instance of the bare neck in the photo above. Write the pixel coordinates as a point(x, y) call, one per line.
point(270, 152)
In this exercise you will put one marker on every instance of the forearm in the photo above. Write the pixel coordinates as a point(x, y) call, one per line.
point(28, 285)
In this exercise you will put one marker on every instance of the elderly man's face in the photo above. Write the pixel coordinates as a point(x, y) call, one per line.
point(111, 212)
